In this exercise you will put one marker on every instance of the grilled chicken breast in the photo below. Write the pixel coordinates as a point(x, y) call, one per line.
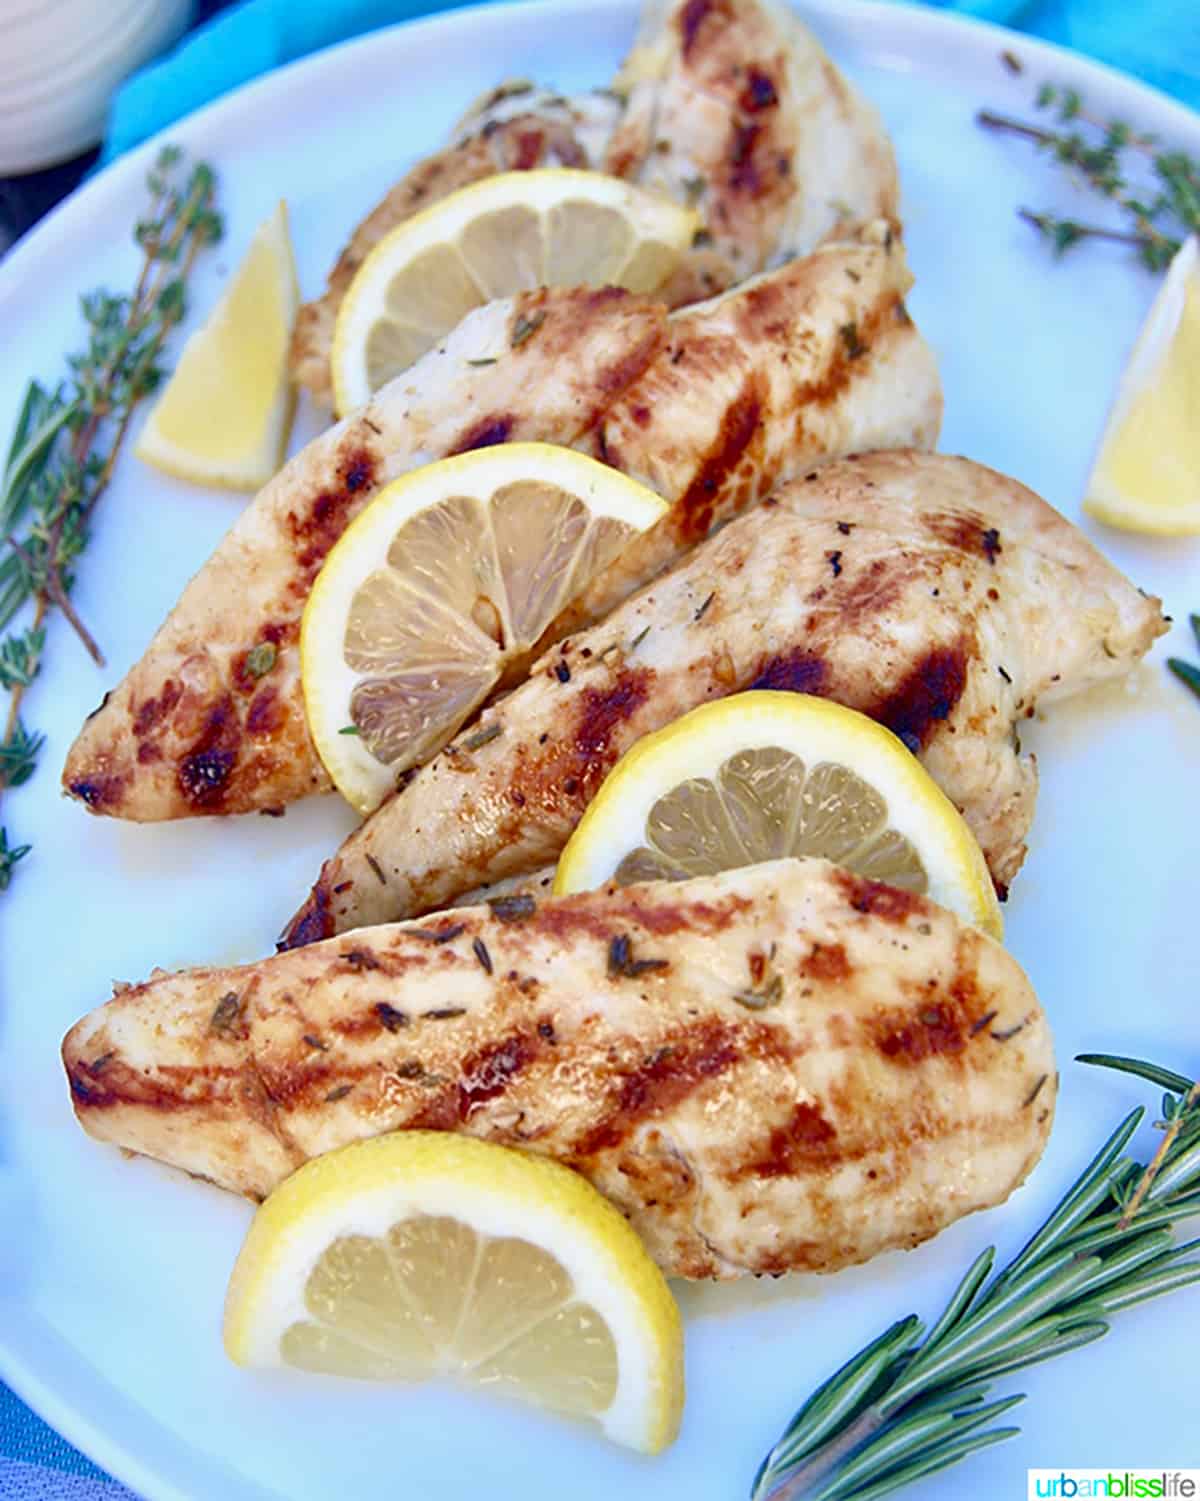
point(781, 1068)
point(836, 396)
point(771, 384)
point(728, 105)
point(514, 128)
point(734, 106)
point(938, 596)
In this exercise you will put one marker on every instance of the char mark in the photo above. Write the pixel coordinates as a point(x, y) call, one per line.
point(692, 515)
point(312, 923)
point(99, 793)
point(485, 433)
point(602, 713)
point(663, 1081)
point(877, 898)
point(315, 527)
point(797, 671)
point(929, 1030)
point(926, 696)
point(803, 1142)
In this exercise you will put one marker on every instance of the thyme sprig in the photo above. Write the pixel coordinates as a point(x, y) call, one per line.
point(1187, 672)
point(1159, 197)
point(911, 1403)
point(67, 440)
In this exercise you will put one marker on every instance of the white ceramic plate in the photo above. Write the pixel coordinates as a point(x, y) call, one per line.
point(112, 1272)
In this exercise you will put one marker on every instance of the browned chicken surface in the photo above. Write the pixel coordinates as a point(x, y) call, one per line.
point(732, 395)
point(782, 1068)
point(514, 128)
point(730, 106)
point(936, 595)
point(735, 106)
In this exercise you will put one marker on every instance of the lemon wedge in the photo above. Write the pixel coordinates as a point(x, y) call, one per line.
point(760, 776)
point(223, 418)
point(424, 1254)
point(508, 233)
point(449, 574)
point(1147, 474)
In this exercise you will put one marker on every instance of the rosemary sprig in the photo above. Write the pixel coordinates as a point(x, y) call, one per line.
point(911, 1403)
point(67, 440)
point(1186, 672)
point(1161, 209)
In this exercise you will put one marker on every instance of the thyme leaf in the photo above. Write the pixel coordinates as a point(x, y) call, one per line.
point(525, 328)
point(67, 439)
point(911, 1403)
point(1156, 191)
point(1187, 674)
point(261, 658)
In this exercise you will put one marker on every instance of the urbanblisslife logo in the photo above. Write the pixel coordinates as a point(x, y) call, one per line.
point(1116, 1485)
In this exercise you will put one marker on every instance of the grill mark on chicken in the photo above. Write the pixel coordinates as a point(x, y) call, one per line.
point(99, 792)
point(314, 528)
point(692, 514)
point(848, 361)
point(875, 898)
point(804, 1141)
point(662, 1081)
point(827, 963)
point(601, 712)
point(684, 1111)
point(797, 671)
point(205, 768)
point(927, 1030)
point(927, 694)
point(152, 710)
point(759, 93)
point(693, 16)
point(485, 433)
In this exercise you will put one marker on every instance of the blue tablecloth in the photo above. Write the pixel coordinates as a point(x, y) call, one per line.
point(1159, 40)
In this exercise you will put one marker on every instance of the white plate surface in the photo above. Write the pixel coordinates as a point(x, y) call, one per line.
point(112, 1272)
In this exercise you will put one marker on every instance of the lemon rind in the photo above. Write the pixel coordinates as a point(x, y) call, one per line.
point(540, 189)
point(370, 1185)
point(815, 729)
point(326, 681)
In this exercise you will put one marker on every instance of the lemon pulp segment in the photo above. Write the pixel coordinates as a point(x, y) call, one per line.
point(1147, 475)
point(224, 414)
point(513, 232)
point(425, 1254)
point(448, 575)
point(762, 775)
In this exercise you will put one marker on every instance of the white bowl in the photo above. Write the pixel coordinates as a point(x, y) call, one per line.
point(60, 63)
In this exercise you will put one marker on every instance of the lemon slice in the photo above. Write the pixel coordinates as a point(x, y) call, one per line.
point(1147, 475)
point(425, 1254)
point(450, 573)
point(504, 234)
point(760, 776)
point(223, 418)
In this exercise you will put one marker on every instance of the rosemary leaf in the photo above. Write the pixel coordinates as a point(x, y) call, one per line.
point(964, 1296)
point(840, 1399)
point(907, 1406)
point(923, 1433)
point(1166, 1078)
point(1042, 1346)
point(939, 1458)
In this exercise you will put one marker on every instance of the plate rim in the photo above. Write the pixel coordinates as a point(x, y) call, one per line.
point(896, 28)
point(887, 19)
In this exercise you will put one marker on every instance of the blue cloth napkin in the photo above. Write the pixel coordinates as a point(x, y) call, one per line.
point(1158, 40)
